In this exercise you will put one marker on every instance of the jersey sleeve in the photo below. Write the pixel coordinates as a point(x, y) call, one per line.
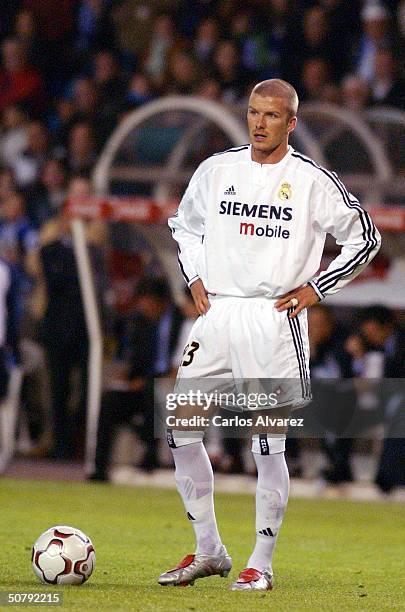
point(187, 227)
point(339, 213)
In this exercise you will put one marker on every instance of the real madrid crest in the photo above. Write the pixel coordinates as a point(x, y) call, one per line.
point(285, 192)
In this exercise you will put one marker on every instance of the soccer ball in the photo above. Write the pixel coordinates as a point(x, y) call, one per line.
point(63, 555)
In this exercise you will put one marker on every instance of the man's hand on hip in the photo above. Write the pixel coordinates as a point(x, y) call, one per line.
point(300, 298)
point(200, 297)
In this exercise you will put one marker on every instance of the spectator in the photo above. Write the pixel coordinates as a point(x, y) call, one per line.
point(134, 20)
point(48, 195)
point(56, 27)
point(92, 108)
point(61, 121)
point(182, 74)
point(66, 346)
point(95, 28)
point(19, 82)
point(381, 331)
point(154, 335)
point(344, 25)
point(210, 89)
point(18, 248)
point(310, 42)
point(333, 405)
point(28, 166)
point(162, 43)
point(355, 93)
point(330, 93)
point(13, 140)
point(107, 78)
point(81, 152)
point(277, 36)
point(8, 10)
point(85, 99)
point(261, 47)
point(315, 78)
point(140, 91)
point(206, 39)
point(228, 71)
point(376, 34)
point(125, 271)
point(18, 237)
point(57, 20)
point(315, 31)
point(386, 86)
point(190, 13)
point(33, 45)
point(8, 186)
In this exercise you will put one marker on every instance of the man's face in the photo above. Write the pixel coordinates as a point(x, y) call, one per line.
point(269, 122)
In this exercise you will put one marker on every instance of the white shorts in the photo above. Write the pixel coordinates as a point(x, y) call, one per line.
point(246, 340)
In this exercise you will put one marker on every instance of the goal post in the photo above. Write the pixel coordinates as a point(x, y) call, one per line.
point(93, 324)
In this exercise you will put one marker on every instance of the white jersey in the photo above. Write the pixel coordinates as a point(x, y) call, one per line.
point(249, 229)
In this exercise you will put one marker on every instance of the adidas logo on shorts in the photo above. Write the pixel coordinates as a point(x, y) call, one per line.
point(230, 191)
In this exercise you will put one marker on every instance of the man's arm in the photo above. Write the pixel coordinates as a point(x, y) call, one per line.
point(187, 227)
point(338, 212)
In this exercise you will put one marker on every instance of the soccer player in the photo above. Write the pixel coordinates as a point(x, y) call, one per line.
point(251, 229)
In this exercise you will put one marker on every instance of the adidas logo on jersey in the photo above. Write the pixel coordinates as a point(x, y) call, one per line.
point(230, 191)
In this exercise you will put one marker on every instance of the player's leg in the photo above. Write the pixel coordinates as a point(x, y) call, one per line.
point(274, 359)
point(271, 502)
point(195, 483)
point(205, 359)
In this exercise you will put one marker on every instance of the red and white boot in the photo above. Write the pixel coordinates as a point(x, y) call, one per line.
point(197, 566)
point(251, 579)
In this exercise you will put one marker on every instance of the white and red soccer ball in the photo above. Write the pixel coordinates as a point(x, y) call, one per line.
point(63, 555)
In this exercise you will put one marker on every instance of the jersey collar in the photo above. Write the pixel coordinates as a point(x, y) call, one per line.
point(270, 166)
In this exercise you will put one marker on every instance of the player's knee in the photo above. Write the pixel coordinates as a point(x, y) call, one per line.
point(268, 444)
point(177, 438)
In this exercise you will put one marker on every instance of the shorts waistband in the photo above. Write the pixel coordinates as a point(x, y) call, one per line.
point(256, 298)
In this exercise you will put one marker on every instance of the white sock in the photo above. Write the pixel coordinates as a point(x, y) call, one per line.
point(195, 483)
point(273, 486)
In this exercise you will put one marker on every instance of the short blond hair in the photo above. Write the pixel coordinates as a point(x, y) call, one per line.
point(277, 88)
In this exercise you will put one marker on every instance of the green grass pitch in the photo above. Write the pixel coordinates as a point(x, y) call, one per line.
point(331, 555)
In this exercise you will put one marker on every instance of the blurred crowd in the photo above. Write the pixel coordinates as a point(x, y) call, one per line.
point(70, 71)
